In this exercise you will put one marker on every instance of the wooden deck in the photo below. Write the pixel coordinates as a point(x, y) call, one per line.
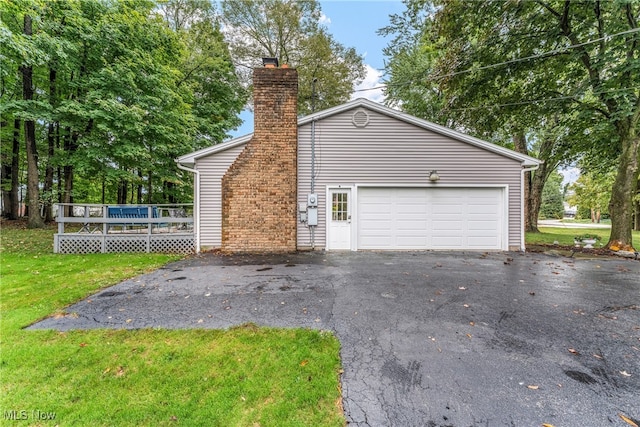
point(124, 228)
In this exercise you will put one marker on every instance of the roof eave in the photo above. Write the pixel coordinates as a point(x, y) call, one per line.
point(191, 158)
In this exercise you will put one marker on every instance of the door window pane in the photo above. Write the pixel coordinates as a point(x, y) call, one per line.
point(339, 207)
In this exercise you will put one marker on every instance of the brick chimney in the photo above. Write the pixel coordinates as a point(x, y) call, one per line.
point(259, 190)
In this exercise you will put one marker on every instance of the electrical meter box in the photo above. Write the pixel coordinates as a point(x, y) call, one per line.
point(312, 209)
point(312, 200)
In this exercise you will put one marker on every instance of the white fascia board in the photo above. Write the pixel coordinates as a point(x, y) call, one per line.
point(190, 159)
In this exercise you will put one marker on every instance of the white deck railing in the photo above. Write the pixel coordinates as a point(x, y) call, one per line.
point(124, 228)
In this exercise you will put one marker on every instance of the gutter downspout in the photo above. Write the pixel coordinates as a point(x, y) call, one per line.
point(196, 207)
point(522, 171)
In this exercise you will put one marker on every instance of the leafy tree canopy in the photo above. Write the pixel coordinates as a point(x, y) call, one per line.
point(291, 31)
point(523, 66)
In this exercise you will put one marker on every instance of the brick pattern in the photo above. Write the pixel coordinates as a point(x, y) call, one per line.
point(259, 190)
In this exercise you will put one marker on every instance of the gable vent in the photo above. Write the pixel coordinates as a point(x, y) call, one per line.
point(360, 118)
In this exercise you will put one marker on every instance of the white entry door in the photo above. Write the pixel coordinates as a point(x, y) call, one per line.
point(339, 218)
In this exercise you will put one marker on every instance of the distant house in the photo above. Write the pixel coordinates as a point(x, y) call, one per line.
point(367, 176)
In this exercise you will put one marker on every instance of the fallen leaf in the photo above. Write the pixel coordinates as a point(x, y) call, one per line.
point(462, 288)
point(628, 421)
point(468, 335)
point(625, 373)
point(304, 363)
point(120, 371)
point(106, 371)
point(472, 323)
point(547, 425)
point(200, 320)
point(466, 305)
point(597, 356)
point(573, 351)
point(532, 387)
point(173, 418)
point(129, 320)
point(83, 344)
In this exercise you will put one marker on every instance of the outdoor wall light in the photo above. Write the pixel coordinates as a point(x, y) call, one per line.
point(433, 176)
point(270, 62)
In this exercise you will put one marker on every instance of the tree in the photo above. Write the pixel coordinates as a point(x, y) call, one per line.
point(208, 70)
point(552, 197)
point(118, 91)
point(520, 64)
point(33, 180)
point(592, 191)
point(426, 81)
point(291, 31)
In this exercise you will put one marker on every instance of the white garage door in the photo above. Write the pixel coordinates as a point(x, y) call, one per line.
point(431, 218)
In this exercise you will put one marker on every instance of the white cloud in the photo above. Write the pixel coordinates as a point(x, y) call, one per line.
point(325, 20)
point(371, 86)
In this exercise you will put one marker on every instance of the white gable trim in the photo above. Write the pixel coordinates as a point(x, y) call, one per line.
point(190, 159)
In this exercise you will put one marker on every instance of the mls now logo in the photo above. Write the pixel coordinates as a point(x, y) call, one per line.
point(15, 415)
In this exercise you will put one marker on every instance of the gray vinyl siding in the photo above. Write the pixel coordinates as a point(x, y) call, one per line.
point(392, 152)
point(212, 168)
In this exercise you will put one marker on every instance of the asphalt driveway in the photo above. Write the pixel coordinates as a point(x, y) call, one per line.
point(428, 338)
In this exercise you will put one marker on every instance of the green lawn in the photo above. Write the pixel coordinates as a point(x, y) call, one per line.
point(247, 376)
point(565, 236)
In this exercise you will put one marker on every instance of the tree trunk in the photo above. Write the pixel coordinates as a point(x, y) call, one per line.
point(170, 192)
point(636, 223)
point(5, 177)
point(33, 180)
point(10, 177)
point(535, 195)
point(123, 188)
point(531, 208)
point(139, 189)
point(150, 188)
point(51, 131)
point(67, 172)
point(48, 176)
point(624, 188)
point(15, 171)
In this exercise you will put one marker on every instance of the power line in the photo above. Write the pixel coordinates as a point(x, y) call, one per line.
point(534, 101)
point(512, 61)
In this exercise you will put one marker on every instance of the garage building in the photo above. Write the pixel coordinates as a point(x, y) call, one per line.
point(359, 176)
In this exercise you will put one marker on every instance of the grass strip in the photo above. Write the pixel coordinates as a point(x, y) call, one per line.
point(246, 376)
point(565, 236)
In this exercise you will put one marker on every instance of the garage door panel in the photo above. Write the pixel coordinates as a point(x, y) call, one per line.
point(480, 226)
point(446, 208)
point(446, 242)
point(448, 224)
point(428, 218)
point(480, 243)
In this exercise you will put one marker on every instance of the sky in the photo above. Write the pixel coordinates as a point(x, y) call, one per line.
point(353, 23)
